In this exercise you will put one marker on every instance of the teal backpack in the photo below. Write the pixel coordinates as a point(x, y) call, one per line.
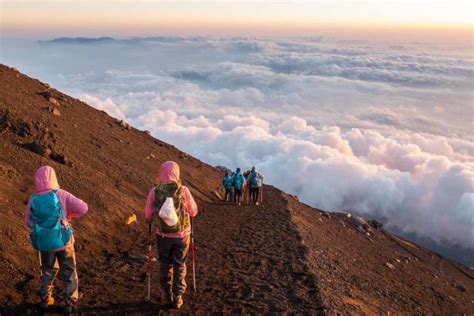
point(48, 230)
point(253, 180)
point(238, 181)
point(227, 182)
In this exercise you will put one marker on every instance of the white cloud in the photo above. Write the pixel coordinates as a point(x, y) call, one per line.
point(346, 126)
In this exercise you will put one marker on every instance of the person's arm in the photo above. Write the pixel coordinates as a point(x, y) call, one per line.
point(191, 206)
point(75, 207)
point(27, 213)
point(149, 204)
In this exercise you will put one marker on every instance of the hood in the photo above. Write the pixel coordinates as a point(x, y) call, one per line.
point(45, 179)
point(169, 171)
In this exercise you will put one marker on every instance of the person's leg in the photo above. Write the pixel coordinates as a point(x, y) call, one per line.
point(180, 255)
point(68, 275)
point(48, 273)
point(239, 196)
point(257, 195)
point(166, 269)
point(252, 195)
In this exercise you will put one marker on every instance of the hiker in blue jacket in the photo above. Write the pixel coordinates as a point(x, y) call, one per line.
point(255, 180)
point(239, 184)
point(228, 185)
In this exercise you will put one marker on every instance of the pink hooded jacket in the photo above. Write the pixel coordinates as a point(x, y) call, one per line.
point(45, 182)
point(169, 171)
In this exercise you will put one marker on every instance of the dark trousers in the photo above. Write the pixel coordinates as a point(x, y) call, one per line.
point(66, 259)
point(173, 253)
point(237, 195)
point(254, 194)
point(228, 195)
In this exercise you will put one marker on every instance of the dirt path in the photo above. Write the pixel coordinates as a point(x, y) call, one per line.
point(250, 260)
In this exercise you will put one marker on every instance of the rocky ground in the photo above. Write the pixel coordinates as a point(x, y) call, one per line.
point(281, 257)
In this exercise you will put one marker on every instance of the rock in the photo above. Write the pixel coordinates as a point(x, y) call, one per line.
point(123, 124)
point(152, 156)
point(147, 132)
point(345, 214)
point(375, 224)
point(53, 101)
point(390, 266)
point(58, 158)
point(21, 128)
point(36, 147)
point(361, 223)
point(45, 94)
point(223, 169)
point(217, 194)
point(183, 156)
point(461, 288)
point(140, 258)
point(53, 110)
point(17, 75)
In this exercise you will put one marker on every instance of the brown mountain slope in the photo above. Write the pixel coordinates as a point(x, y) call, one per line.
point(280, 257)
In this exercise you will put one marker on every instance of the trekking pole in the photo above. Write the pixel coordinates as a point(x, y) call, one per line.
point(193, 258)
point(261, 193)
point(41, 263)
point(148, 264)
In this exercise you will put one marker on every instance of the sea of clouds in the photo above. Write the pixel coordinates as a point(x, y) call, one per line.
point(381, 129)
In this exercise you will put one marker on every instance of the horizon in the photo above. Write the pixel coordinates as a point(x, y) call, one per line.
point(420, 19)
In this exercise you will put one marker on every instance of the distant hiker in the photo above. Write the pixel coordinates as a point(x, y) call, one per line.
point(239, 184)
point(169, 207)
point(228, 185)
point(255, 181)
point(246, 175)
point(47, 214)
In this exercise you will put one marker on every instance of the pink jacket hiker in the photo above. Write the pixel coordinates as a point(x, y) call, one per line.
point(45, 182)
point(169, 171)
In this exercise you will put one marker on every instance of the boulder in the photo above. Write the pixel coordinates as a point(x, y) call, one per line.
point(53, 101)
point(123, 124)
point(45, 94)
point(375, 224)
point(37, 148)
point(361, 223)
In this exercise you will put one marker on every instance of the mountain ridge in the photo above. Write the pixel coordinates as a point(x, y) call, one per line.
point(280, 257)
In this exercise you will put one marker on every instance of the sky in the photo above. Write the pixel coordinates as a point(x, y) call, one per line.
point(33, 18)
point(364, 107)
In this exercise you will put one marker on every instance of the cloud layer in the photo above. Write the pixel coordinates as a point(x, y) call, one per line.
point(379, 129)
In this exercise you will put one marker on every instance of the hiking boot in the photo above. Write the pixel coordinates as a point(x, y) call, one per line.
point(69, 307)
point(178, 302)
point(47, 301)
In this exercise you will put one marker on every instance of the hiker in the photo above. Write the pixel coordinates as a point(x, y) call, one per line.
point(246, 175)
point(52, 207)
point(172, 241)
point(239, 184)
point(255, 181)
point(227, 182)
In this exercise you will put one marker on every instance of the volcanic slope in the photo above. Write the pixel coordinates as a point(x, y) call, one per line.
point(281, 257)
